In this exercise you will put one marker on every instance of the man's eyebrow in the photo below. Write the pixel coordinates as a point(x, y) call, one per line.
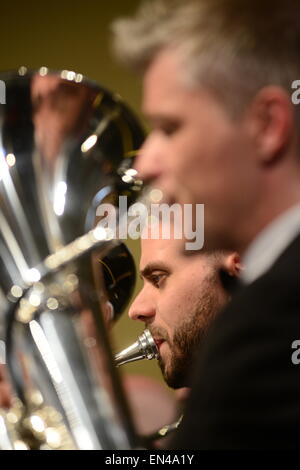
point(160, 118)
point(154, 266)
point(154, 117)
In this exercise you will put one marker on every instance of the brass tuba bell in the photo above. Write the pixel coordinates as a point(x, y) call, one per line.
point(65, 145)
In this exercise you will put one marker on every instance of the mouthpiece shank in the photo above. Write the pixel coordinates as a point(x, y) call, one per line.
point(143, 348)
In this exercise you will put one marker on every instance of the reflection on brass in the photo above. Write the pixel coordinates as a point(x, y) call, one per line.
point(165, 431)
point(25, 312)
point(36, 427)
point(69, 253)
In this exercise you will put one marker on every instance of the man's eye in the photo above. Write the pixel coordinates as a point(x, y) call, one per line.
point(169, 130)
point(165, 128)
point(157, 279)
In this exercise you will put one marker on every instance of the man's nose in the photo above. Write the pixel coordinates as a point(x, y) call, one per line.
point(149, 162)
point(142, 309)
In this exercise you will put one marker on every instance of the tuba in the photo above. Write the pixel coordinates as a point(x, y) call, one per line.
point(66, 146)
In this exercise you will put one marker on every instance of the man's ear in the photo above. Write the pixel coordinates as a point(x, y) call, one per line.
point(272, 122)
point(232, 264)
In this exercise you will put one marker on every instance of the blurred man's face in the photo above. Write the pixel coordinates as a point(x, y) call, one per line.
point(196, 153)
point(60, 109)
point(180, 297)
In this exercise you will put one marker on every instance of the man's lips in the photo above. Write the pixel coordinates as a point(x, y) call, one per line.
point(158, 342)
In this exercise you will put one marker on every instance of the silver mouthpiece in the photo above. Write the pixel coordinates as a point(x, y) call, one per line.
point(143, 348)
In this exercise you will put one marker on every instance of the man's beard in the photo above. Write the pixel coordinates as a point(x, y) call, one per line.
point(186, 341)
point(188, 336)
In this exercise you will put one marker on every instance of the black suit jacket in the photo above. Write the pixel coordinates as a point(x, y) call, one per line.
point(246, 390)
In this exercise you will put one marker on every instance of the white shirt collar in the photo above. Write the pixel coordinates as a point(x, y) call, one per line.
point(270, 244)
